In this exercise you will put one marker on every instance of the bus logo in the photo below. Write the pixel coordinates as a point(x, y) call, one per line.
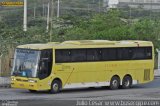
point(9, 3)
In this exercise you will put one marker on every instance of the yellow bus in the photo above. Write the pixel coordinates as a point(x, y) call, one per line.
point(83, 63)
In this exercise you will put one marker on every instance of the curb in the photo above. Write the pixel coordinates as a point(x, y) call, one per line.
point(5, 86)
point(156, 77)
point(5, 82)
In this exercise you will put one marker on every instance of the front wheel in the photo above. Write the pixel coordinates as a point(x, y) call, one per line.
point(114, 83)
point(55, 86)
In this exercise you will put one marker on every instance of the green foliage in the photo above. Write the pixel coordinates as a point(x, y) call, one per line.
point(110, 26)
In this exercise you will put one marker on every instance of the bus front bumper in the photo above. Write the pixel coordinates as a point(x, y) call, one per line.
point(24, 84)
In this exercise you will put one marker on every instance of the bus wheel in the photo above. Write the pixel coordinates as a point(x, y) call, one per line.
point(127, 82)
point(32, 91)
point(55, 86)
point(114, 83)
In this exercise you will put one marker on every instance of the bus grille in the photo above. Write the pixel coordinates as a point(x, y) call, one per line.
point(22, 80)
point(146, 74)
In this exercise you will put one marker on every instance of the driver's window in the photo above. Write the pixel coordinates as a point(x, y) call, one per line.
point(45, 64)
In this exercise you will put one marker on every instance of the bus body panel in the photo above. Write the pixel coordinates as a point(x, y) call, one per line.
point(93, 73)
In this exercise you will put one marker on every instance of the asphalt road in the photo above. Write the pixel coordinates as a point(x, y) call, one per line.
point(83, 96)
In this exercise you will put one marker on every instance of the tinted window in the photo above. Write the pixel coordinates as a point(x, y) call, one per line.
point(149, 53)
point(109, 54)
point(78, 55)
point(142, 53)
point(93, 54)
point(103, 54)
point(63, 56)
point(124, 53)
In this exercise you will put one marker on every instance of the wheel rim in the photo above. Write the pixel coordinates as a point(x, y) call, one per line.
point(127, 83)
point(115, 83)
point(55, 87)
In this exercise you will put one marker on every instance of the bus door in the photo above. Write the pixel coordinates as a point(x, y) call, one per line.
point(45, 68)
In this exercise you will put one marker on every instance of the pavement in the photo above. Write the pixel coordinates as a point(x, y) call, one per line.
point(137, 95)
point(5, 81)
point(103, 96)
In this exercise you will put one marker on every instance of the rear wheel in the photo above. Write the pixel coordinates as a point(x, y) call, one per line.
point(55, 86)
point(114, 83)
point(127, 82)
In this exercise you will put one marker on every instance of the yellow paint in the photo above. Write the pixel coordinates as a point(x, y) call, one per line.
point(81, 72)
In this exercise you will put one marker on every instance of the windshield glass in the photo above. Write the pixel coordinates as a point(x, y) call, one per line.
point(25, 63)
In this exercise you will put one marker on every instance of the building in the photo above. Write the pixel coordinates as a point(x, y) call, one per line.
point(146, 4)
point(113, 3)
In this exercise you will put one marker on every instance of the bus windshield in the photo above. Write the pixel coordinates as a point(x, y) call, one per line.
point(25, 63)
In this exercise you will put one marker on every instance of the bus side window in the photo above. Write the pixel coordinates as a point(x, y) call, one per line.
point(142, 53)
point(62, 55)
point(120, 53)
point(149, 52)
point(130, 53)
point(124, 53)
point(93, 55)
point(78, 55)
point(109, 54)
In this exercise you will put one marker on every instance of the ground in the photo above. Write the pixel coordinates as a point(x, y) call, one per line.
point(83, 96)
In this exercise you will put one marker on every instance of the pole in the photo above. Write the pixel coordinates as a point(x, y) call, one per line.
point(99, 5)
point(43, 11)
point(88, 8)
point(52, 11)
point(130, 15)
point(1, 64)
point(151, 11)
point(34, 12)
point(25, 16)
point(47, 28)
point(58, 9)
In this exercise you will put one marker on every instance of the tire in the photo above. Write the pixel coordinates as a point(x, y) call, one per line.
point(32, 91)
point(55, 87)
point(127, 82)
point(114, 83)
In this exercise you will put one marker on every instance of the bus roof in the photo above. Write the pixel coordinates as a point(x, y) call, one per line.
point(87, 44)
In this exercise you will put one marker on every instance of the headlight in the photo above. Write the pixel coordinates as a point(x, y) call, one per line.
point(32, 81)
point(13, 79)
